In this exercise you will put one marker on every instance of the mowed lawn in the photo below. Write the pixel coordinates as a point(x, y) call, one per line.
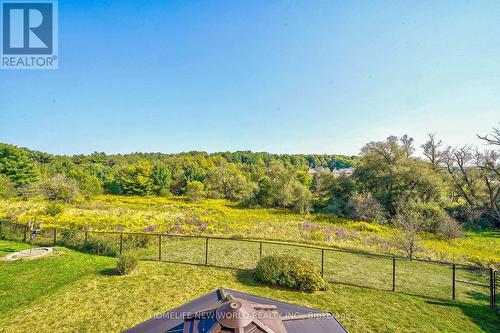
point(77, 292)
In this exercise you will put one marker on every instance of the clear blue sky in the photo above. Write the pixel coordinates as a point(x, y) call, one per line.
point(278, 76)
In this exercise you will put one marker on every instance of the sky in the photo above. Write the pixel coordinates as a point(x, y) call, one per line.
point(276, 76)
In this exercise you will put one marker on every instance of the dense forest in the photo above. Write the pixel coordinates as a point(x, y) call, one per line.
point(437, 190)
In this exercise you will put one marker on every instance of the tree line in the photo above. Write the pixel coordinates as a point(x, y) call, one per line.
point(264, 179)
point(440, 186)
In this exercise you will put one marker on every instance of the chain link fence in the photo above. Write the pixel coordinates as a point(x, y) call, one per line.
point(429, 278)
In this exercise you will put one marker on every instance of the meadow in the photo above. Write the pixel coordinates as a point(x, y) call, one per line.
point(224, 218)
point(64, 293)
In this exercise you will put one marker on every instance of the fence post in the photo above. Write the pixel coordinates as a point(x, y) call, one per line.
point(492, 289)
point(322, 262)
point(453, 283)
point(206, 251)
point(495, 289)
point(393, 273)
point(121, 242)
point(159, 247)
point(25, 232)
point(260, 249)
point(86, 236)
point(54, 236)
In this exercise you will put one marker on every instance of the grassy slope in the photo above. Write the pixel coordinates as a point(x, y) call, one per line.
point(227, 219)
point(78, 292)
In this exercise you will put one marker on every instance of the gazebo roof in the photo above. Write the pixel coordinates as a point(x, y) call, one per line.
point(225, 310)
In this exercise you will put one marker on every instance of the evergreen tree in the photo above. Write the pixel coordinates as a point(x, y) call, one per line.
point(16, 164)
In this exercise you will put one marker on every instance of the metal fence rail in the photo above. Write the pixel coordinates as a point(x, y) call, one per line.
point(392, 273)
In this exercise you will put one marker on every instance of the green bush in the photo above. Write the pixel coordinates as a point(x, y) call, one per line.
point(53, 209)
point(291, 272)
point(317, 235)
point(127, 262)
point(60, 188)
point(164, 192)
point(195, 191)
point(7, 187)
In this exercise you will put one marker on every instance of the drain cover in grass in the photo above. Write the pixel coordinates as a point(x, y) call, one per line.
point(30, 253)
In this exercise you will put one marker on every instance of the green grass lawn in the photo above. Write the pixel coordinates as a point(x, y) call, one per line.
point(76, 292)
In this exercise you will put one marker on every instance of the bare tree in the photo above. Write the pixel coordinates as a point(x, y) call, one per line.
point(410, 223)
point(466, 180)
point(407, 144)
point(492, 138)
point(487, 163)
point(431, 150)
point(475, 174)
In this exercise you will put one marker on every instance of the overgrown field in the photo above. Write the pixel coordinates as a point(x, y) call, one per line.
point(228, 219)
point(76, 292)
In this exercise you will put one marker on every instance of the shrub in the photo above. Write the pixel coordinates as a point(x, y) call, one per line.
point(302, 198)
point(436, 220)
point(7, 187)
point(431, 214)
point(28, 191)
point(127, 262)
point(409, 221)
point(60, 188)
point(464, 213)
point(195, 191)
point(291, 272)
point(136, 179)
point(450, 228)
point(366, 208)
point(164, 192)
point(317, 235)
point(53, 209)
point(89, 185)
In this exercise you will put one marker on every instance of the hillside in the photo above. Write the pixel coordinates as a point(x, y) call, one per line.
point(228, 219)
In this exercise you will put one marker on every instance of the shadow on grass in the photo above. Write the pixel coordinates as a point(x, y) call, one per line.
point(482, 315)
point(476, 295)
point(109, 272)
point(359, 286)
point(9, 250)
point(85, 250)
point(484, 297)
point(248, 278)
point(197, 264)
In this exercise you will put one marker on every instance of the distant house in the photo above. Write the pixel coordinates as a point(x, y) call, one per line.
point(312, 171)
point(336, 172)
point(343, 172)
point(231, 311)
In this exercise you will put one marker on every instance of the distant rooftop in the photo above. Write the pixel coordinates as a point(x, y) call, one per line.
point(338, 172)
point(226, 310)
point(343, 172)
